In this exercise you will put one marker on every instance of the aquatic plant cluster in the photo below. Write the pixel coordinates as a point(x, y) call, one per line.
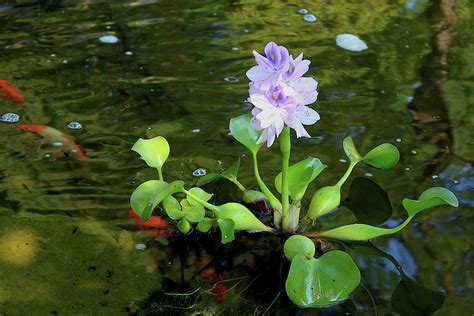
point(280, 95)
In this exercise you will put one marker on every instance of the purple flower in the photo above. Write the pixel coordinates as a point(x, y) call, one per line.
point(269, 68)
point(281, 94)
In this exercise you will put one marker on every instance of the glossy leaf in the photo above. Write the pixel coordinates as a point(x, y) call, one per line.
point(384, 156)
point(360, 232)
point(374, 210)
point(228, 174)
point(154, 151)
point(184, 226)
point(300, 175)
point(172, 208)
point(298, 244)
point(242, 217)
point(193, 213)
point(321, 282)
point(324, 200)
point(150, 193)
point(200, 193)
point(227, 230)
point(244, 133)
point(350, 150)
point(430, 198)
point(204, 225)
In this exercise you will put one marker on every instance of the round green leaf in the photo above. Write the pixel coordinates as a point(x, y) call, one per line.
point(204, 225)
point(193, 213)
point(154, 151)
point(227, 230)
point(324, 200)
point(172, 208)
point(350, 150)
point(321, 282)
point(298, 244)
point(200, 193)
point(300, 175)
point(150, 193)
point(244, 133)
point(384, 156)
point(430, 198)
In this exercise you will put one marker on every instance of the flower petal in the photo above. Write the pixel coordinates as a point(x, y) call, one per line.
point(260, 101)
point(258, 73)
point(305, 84)
point(307, 115)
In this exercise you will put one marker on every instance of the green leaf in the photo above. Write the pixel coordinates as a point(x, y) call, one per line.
point(373, 211)
point(321, 282)
point(193, 213)
point(228, 174)
point(300, 176)
point(204, 225)
point(200, 193)
point(431, 197)
point(184, 226)
point(154, 151)
point(172, 208)
point(360, 232)
point(350, 150)
point(150, 193)
point(384, 156)
point(244, 133)
point(242, 217)
point(298, 244)
point(324, 201)
point(227, 230)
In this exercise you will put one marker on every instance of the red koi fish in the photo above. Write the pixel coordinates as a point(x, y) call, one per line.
point(52, 134)
point(11, 93)
point(219, 290)
point(155, 226)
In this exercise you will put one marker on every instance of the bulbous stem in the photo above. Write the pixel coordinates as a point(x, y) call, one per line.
point(285, 148)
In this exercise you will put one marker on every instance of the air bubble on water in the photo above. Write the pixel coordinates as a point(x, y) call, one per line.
point(409, 99)
point(398, 140)
point(303, 11)
point(413, 152)
point(436, 117)
point(128, 53)
point(342, 160)
point(368, 174)
point(10, 117)
point(53, 55)
point(235, 49)
point(435, 176)
point(65, 61)
point(140, 246)
point(109, 39)
point(287, 23)
point(48, 61)
point(407, 169)
point(196, 130)
point(231, 79)
point(47, 156)
point(218, 162)
point(57, 144)
point(310, 18)
point(199, 172)
point(108, 27)
point(456, 182)
point(74, 125)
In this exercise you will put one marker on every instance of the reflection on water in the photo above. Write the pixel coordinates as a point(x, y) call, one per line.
point(100, 74)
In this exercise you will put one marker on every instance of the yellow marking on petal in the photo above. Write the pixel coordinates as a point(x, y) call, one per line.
point(276, 96)
point(290, 70)
point(272, 57)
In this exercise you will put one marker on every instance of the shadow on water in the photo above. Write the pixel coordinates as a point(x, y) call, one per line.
point(131, 69)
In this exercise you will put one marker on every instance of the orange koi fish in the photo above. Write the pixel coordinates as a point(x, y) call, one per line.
point(219, 290)
point(155, 226)
point(52, 134)
point(11, 93)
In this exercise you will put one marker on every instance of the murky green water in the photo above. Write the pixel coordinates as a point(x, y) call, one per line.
point(67, 244)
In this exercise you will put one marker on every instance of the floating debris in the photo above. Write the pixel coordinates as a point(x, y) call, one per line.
point(128, 53)
point(196, 130)
point(350, 42)
point(435, 176)
point(65, 61)
point(57, 144)
point(310, 18)
point(342, 160)
point(235, 49)
point(199, 172)
point(407, 169)
point(231, 79)
point(140, 246)
point(74, 125)
point(456, 182)
point(413, 152)
point(303, 11)
point(10, 118)
point(398, 140)
point(109, 39)
point(368, 174)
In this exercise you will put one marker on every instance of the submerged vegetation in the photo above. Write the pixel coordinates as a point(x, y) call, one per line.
point(280, 96)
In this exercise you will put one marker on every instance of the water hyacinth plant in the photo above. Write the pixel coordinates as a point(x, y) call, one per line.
point(280, 95)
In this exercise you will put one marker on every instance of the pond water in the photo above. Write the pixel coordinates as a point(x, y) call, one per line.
point(105, 73)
